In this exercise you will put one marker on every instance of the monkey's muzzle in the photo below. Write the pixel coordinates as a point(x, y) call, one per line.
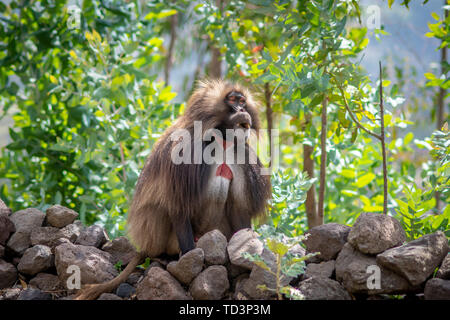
point(241, 120)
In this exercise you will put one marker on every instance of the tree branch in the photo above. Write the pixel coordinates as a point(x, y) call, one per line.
point(383, 145)
point(355, 120)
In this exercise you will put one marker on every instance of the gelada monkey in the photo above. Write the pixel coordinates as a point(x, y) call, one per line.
point(175, 203)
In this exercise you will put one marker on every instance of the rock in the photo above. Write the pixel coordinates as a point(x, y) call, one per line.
point(11, 293)
point(46, 282)
point(188, 267)
point(8, 274)
point(25, 221)
point(135, 277)
point(94, 236)
point(417, 259)
point(245, 240)
point(354, 268)
point(71, 231)
point(318, 288)
point(109, 296)
point(211, 284)
point(323, 270)
point(46, 236)
point(153, 264)
point(59, 216)
point(4, 208)
point(259, 276)
point(214, 245)
point(328, 239)
point(120, 249)
point(297, 250)
point(125, 290)
point(238, 287)
point(234, 270)
point(36, 259)
point(437, 289)
point(34, 294)
point(59, 242)
point(95, 265)
point(444, 269)
point(160, 285)
point(6, 227)
point(373, 233)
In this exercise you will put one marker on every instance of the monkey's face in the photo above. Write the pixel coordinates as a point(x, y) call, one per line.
point(237, 117)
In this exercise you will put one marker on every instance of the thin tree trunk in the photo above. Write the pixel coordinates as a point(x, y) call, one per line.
point(440, 106)
point(383, 145)
point(308, 166)
point(323, 161)
point(215, 65)
point(269, 115)
point(173, 36)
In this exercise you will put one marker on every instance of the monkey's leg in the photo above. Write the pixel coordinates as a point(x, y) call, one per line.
point(184, 234)
point(93, 291)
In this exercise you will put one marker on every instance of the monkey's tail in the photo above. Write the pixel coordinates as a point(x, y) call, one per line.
point(93, 291)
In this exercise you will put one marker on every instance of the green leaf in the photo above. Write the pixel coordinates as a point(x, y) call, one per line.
point(364, 180)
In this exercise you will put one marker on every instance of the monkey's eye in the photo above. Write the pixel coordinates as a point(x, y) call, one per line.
point(242, 101)
point(232, 98)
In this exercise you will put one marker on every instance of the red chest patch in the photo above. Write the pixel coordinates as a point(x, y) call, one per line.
point(224, 171)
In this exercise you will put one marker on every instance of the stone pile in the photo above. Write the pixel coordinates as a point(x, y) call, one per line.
point(38, 252)
point(373, 260)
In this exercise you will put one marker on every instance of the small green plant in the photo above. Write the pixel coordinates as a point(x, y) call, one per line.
point(118, 266)
point(288, 264)
point(416, 215)
point(288, 195)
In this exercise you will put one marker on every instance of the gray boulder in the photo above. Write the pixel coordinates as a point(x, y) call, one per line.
point(417, 259)
point(36, 259)
point(6, 228)
point(211, 284)
point(373, 233)
point(318, 288)
point(354, 268)
point(328, 239)
point(109, 296)
point(34, 294)
point(245, 240)
point(214, 245)
point(188, 267)
point(8, 274)
point(120, 249)
point(24, 221)
point(125, 290)
point(437, 289)
point(71, 231)
point(94, 236)
point(160, 285)
point(59, 216)
point(11, 294)
point(46, 282)
point(46, 236)
point(95, 265)
point(324, 269)
point(444, 269)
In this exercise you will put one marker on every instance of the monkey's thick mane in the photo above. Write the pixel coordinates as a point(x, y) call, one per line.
point(167, 190)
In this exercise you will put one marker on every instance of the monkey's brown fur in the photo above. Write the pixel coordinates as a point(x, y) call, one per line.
point(166, 192)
